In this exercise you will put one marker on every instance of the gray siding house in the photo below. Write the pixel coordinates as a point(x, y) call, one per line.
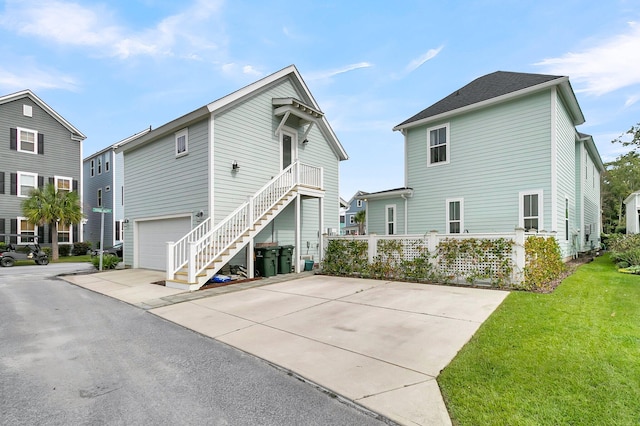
point(37, 146)
point(103, 186)
point(355, 205)
point(499, 153)
point(258, 166)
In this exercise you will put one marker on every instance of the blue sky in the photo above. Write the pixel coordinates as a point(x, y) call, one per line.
point(113, 68)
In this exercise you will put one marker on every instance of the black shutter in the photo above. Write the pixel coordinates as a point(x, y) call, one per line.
point(75, 236)
point(40, 181)
point(13, 139)
point(2, 184)
point(49, 234)
point(75, 185)
point(40, 144)
point(14, 230)
point(2, 227)
point(14, 184)
point(52, 181)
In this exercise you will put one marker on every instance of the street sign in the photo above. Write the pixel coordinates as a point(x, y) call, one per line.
point(100, 210)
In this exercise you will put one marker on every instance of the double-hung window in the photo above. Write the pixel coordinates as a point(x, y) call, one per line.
point(99, 165)
point(64, 233)
point(182, 142)
point(26, 229)
point(63, 183)
point(390, 219)
point(455, 215)
point(26, 183)
point(99, 198)
point(438, 149)
point(531, 210)
point(27, 140)
point(93, 168)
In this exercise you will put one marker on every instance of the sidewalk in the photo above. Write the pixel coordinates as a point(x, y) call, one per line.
point(376, 344)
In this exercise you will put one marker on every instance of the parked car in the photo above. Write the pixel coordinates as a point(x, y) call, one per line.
point(9, 254)
point(116, 250)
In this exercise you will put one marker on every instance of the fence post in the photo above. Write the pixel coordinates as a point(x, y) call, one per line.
point(170, 260)
point(519, 257)
point(432, 245)
point(372, 244)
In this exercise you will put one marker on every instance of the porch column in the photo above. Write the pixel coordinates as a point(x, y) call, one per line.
point(250, 260)
point(298, 236)
point(321, 229)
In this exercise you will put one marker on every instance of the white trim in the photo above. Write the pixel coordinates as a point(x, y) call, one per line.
point(19, 175)
point(99, 197)
point(211, 180)
point(27, 110)
point(19, 140)
point(56, 179)
point(448, 219)
point(179, 134)
point(136, 222)
point(92, 167)
point(19, 219)
point(406, 158)
point(554, 160)
point(386, 219)
point(540, 194)
point(99, 164)
point(294, 145)
point(447, 145)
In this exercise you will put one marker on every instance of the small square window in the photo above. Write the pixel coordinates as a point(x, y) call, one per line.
point(359, 203)
point(107, 188)
point(182, 142)
point(27, 110)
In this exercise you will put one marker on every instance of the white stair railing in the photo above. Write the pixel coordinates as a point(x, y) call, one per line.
point(198, 249)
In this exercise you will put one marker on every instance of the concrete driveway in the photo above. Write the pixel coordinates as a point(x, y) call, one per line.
point(379, 344)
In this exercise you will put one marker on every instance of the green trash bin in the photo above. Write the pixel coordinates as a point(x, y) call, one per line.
point(267, 261)
point(284, 261)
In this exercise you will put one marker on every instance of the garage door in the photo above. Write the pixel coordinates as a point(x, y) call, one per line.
point(153, 236)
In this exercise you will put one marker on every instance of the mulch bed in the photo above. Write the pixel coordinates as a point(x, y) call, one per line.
point(214, 285)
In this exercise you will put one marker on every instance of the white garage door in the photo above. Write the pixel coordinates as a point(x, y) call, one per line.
point(153, 236)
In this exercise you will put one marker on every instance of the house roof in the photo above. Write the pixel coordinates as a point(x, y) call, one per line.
point(592, 149)
point(492, 88)
point(117, 144)
point(388, 193)
point(75, 133)
point(234, 98)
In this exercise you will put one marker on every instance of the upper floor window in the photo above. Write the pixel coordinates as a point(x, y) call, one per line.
point(107, 164)
point(63, 183)
point(26, 183)
point(358, 203)
point(182, 142)
point(27, 140)
point(93, 168)
point(454, 216)
point(531, 210)
point(99, 197)
point(99, 165)
point(352, 219)
point(438, 152)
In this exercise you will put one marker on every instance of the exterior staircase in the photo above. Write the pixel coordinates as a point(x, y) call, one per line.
point(200, 254)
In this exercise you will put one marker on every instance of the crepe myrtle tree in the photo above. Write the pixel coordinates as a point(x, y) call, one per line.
point(49, 206)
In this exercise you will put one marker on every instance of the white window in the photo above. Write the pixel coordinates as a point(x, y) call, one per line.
point(63, 183)
point(27, 140)
point(99, 201)
point(438, 145)
point(531, 210)
point(182, 142)
point(93, 168)
point(106, 163)
point(26, 230)
point(455, 215)
point(99, 165)
point(119, 225)
point(26, 183)
point(358, 203)
point(64, 233)
point(27, 110)
point(352, 219)
point(390, 219)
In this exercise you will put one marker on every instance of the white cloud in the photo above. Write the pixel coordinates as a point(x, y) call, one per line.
point(71, 24)
point(419, 61)
point(250, 70)
point(325, 75)
point(608, 65)
point(35, 79)
point(632, 100)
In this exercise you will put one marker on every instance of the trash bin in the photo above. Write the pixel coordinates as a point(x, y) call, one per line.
point(267, 261)
point(284, 262)
point(308, 265)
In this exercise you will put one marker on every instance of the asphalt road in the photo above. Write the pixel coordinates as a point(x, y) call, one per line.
point(69, 356)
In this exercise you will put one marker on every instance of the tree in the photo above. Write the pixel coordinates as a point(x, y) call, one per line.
point(360, 218)
point(49, 206)
point(634, 131)
point(621, 178)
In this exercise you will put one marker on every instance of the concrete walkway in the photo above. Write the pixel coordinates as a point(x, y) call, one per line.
point(378, 344)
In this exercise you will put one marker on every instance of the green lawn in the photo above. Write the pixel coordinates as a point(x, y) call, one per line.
point(65, 259)
point(571, 357)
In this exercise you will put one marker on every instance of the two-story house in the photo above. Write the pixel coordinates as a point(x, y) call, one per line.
point(258, 166)
point(355, 205)
point(499, 153)
point(37, 146)
point(103, 187)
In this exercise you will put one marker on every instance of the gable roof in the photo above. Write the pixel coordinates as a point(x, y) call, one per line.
point(75, 133)
point(234, 98)
point(492, 88)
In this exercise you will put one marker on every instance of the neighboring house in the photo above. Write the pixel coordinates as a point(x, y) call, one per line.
point(103, 187)
point(37, 146)
point(258, 166)
point(499, 153)
point(343, 212)
point(355, 205)
point(632, 208)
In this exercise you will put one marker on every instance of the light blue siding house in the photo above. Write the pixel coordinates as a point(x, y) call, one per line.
point(258, 166)
point(499, 153)
point(353, 207)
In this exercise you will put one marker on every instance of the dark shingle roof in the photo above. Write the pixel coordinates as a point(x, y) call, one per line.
point(486, 87)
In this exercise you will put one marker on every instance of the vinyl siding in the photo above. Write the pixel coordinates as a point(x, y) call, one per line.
point(591, 200)
point(376, 212)
point(91, 186)
point(62, 155)
point(495, 153)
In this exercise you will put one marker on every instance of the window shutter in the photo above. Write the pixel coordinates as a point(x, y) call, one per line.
point(75, 185)
point(2, 184)
point(40, 181)
point(13, 139)
point(40, 144)
point(52, 181)
point(49, 234)
point(75, 236)
point(14, 184)
point(14, 230)
point(2, 227)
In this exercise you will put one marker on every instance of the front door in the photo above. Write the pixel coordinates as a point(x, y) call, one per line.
point(287, 148)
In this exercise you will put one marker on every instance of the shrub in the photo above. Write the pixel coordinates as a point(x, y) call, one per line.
point(625, 249)
point(543, 264)
point(64, 250)
point(80, 249)
point(109, 261)
point(346, 257)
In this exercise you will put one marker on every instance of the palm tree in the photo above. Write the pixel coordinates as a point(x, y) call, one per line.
point(49, 206)
point(360, 218)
